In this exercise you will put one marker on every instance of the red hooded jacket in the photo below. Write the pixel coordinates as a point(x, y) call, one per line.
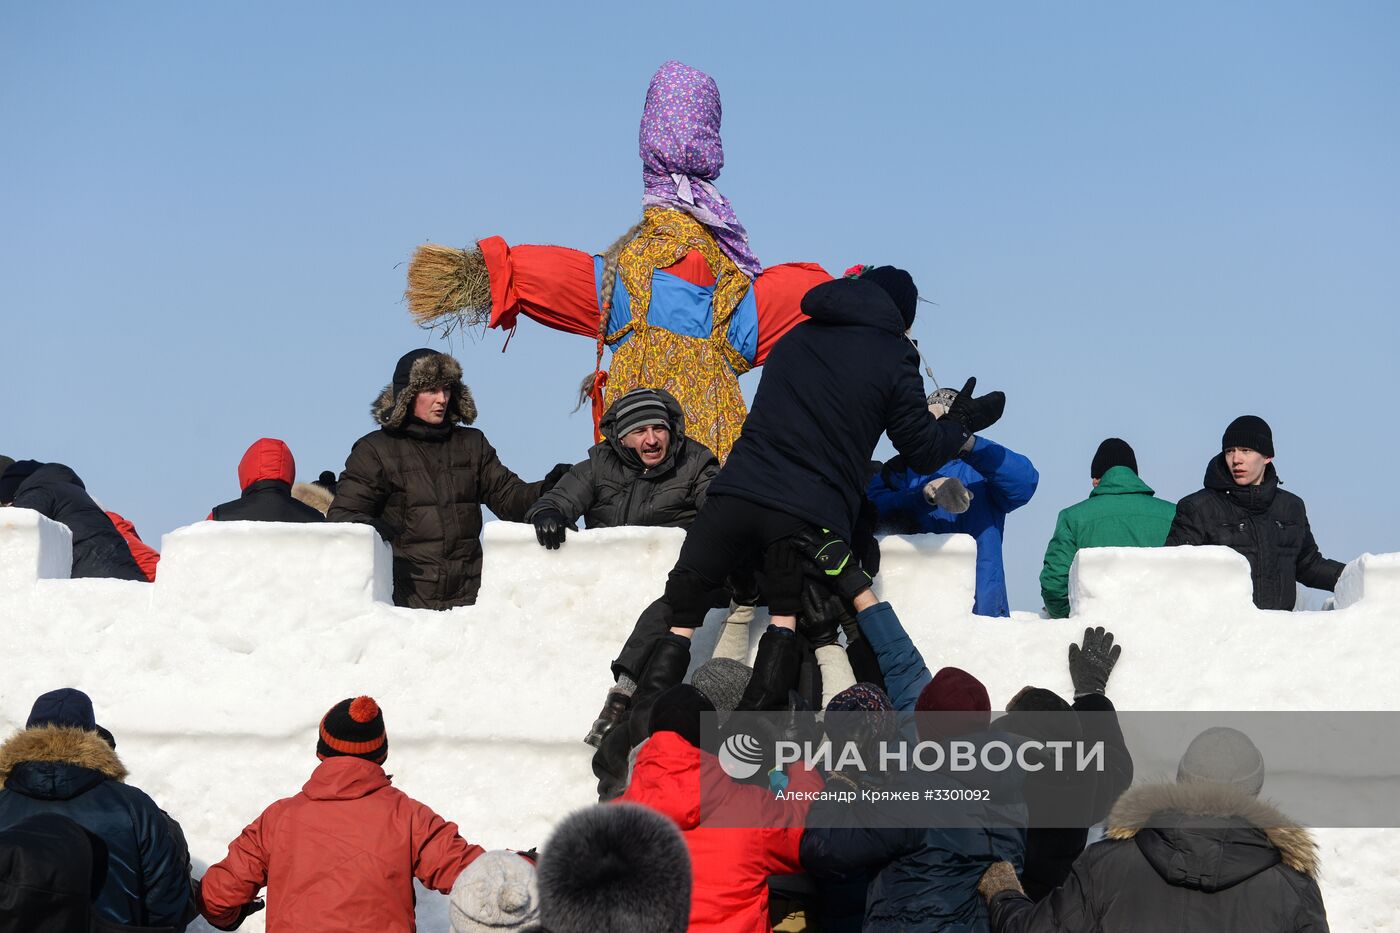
point(339, 856)
point(730, 866)
point(146, 556)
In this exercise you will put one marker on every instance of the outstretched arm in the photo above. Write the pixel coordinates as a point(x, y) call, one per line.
point(1011, 477)
point(554, 285)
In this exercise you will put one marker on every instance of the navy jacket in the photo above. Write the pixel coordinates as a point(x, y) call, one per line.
point(831, 386)
point(1000, 481)
point(74, 773)
point(99, 550)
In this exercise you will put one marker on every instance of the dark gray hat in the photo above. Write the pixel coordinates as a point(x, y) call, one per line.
point(1221, 755)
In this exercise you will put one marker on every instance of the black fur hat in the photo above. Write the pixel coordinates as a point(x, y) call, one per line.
point(617, 867)
point(416, 371)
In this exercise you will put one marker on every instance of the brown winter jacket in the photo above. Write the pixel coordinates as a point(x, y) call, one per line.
point(1182, 858)
point(422, 488)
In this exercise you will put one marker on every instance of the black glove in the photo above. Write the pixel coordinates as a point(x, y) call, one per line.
point(823, 614)
point(976, 414)
point(549, 528)
point(555, 475)
point(1090, 666)
point(834, 562)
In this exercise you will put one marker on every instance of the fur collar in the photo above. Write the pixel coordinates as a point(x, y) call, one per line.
point(61, 743)
point(314, 495)
point(1134, 811)
point(439, 369)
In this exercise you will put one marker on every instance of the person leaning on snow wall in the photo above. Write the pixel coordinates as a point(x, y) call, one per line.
point(265, 476)
point(55, 491)
point(833, 385)
point(1204, 855)
point(971, 494)
point(63, 762)
point(422, 478)
point(342, 854)
point(1243, 508)
point(1121, 511)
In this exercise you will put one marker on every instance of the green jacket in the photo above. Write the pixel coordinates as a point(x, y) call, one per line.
point(1120, 512)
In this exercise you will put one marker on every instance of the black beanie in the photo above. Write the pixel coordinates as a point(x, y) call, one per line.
point(404, 369)
point(15, 474)
point(678, 710)
point(1249, 431)
point(354, 728)
point(899, 285)
point(1111, 453)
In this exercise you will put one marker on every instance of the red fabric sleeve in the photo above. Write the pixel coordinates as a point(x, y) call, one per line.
point(554, 285)
point(778, 291)
point(439, 852)
point(235, 881)
point(146, 557)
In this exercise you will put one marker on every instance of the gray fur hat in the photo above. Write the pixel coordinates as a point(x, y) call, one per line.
point(416, 371)
point(1221, 755)
point(618, 867)
point(497, 891)
point(723, 681)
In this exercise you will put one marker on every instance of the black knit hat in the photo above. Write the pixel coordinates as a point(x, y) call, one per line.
point(1249, 431)
point(899, 285)
point(354, 728)
point(678, 710)
point(1111, 453)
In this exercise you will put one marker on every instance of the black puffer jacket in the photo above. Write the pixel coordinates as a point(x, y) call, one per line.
point(99, 550)
point(612, 487)
point(422, 487)
point(72, 772)
point(46, 876)
point(266, 474)
point(1266, 524)
point(1234, 866)
point(831, 386)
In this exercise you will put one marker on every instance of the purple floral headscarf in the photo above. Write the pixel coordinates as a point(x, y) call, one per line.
point(682, 153)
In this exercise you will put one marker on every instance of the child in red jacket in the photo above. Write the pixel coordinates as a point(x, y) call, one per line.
point(342, 854)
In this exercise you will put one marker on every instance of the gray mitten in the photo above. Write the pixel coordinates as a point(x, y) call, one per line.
point(948, 493)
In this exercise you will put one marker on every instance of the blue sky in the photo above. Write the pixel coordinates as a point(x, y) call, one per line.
point(1136, 219)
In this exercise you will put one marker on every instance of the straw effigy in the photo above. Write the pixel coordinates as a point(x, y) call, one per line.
point(448, 287)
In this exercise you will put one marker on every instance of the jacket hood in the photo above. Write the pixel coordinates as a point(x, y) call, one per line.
point(49, 753)
point(54, 473)
point(1120, 481)
point(851, 302)
point(345, 778)
point(1209, 836)
point(666, 778)
point(608, 428)
point(391, 409)
point(267, 458)
point(314, 495)
point(1254, 498)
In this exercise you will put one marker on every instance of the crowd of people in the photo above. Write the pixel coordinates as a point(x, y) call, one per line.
point(782, 506)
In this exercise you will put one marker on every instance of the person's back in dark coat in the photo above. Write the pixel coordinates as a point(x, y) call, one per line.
point(99, 550)
point(1182, 858)
point(46, 876)
point(266, 474)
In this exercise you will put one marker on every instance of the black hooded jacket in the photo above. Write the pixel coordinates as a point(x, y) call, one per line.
point(99, 550)
point(1183, 858)
point(1266, 524)
point(831, 386)
point(46, 876)
point(612, 487)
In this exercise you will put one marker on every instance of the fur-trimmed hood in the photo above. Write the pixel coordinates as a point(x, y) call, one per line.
point(314, 495)
point(392, 406)
point(1220, 815)
point(62, 744)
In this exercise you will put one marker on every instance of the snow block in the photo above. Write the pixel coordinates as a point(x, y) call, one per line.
point(1374, 578)
point(33, 548)
point(1110, 582)
point(288, 570)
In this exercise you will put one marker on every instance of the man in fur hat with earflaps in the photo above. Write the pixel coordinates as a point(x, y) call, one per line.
point(422, 478)
point(1204, 854)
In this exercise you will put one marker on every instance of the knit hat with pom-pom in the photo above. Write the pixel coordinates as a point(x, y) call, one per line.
point(354, 728)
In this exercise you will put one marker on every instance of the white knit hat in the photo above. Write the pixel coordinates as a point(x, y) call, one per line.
point(497, 891)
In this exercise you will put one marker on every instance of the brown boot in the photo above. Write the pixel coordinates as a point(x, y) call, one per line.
point(614, 712)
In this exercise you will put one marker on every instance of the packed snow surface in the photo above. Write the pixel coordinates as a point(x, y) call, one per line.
point(214, 678)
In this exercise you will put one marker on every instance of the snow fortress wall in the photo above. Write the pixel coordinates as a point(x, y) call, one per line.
point(214, 678)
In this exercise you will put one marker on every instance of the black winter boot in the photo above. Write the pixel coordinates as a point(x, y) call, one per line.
point(613, 712)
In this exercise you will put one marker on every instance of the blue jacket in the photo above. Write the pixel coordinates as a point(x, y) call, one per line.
point(74, 773)
point(1000, 481)
point(922, 878)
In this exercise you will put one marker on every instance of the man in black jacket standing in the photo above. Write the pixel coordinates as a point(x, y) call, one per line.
point(831, 386)
point(1242, 507)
